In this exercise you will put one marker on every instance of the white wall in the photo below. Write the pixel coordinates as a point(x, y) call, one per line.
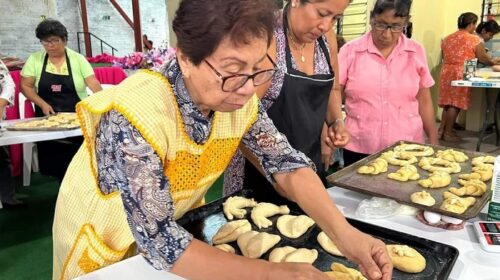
point(20, 18)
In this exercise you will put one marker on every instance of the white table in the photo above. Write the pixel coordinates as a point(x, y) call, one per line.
point(472, 262)
point(18, 137)
point(490, 106)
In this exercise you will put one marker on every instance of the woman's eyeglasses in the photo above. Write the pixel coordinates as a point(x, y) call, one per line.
point(236, 81)
point(395, 28)
point(51, 42)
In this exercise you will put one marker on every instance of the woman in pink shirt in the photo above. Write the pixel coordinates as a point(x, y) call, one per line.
point(385, 80)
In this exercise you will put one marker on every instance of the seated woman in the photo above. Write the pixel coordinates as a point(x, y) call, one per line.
point(156, 143)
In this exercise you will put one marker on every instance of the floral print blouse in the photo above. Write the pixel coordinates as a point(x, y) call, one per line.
point(126, 162)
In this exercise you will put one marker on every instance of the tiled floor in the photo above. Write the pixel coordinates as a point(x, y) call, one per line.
point(469, 142)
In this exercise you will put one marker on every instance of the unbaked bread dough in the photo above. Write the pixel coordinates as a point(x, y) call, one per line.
point(483, 172)
point(415, 150)
point(233, 206)
point(375, 167)
point(406, 259)
point(254, 244)
point(439, 164)
point(452, 155)
point(231, 231)
point(294, 226)
point(263, 210)
point(437, 179)
point(483, 159)
point(423, 198)
point(226, 248)
point(342, 272)
point(399, 158)
point(328, 245)
point(291, 254)
point(456, 204)
point(405, 173)
point(470, 187)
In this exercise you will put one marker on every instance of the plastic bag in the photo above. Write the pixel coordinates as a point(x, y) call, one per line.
point(377, 208)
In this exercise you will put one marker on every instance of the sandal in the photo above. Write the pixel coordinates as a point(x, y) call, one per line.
point(451, 137)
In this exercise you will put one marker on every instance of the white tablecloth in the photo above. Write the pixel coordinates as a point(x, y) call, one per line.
point(472, 264)
point(9, 137)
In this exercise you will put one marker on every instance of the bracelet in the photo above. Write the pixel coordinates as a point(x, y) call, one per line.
point(335, 122)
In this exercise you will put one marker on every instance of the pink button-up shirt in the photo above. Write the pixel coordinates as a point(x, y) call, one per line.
point(381, 93)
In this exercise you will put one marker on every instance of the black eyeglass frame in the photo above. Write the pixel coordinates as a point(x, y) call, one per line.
point(383, 27)
point(248, 77)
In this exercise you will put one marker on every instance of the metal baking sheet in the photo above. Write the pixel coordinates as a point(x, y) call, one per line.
point(380, 185)
point(14, 128)
point(205, 221)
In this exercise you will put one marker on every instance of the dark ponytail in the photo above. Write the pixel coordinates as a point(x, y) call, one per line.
point(465, 19)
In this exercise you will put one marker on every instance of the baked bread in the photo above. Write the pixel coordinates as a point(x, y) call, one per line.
point(375, 167)
point(437, 179)
point(406, 259)
point(452, 155)
point(254, 244)
point(342, 272)
point(415, 149)
point(263, 210)
point(233, 206)
point(405, 173)
point(439, 164)
point(294, 226)
point(423, 198)
point(328, 245)
point(226, 248)
point(291, 254)
point(231, 231)
point(455, 204)
point(399, 158)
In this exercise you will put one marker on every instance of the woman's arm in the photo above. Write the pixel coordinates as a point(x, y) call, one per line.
point(426, 111)
point(28, 89)
point(338, 135)
point(290, 171)
point(482, 55)
point(127, 162)
point(93, 83)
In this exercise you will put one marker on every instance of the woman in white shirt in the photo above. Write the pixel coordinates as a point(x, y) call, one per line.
point(7, 187)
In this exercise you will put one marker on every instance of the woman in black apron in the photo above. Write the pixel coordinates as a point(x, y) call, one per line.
point(60, 93)
point(300, 110)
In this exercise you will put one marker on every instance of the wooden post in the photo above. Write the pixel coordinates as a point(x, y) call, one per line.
point(85, 23)
point(137, 25)
point(122, 13)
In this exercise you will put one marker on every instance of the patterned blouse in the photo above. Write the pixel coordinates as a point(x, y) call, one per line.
point(126, 162)
point(235, 173)
point(7, 86)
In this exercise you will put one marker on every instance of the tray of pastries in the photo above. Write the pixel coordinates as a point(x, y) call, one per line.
point(250, 224)
point(452, 182)
point(59, 121)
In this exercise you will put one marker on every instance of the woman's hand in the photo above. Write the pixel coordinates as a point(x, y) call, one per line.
point(300, 271)
point(370, 253)
point(47, 109)
point(326, 151)
point(338, 135)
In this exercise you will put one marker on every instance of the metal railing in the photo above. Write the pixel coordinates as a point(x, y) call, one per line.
point(102, 42)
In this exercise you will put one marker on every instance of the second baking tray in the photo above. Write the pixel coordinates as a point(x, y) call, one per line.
point(205, 221)
point(380, 185)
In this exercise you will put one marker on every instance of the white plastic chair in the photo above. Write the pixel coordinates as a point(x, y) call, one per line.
point(30, 153)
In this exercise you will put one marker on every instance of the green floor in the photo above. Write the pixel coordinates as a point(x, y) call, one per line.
point(25, 234)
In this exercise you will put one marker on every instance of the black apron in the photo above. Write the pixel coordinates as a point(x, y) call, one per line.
point(299, 113)
point(58, 91)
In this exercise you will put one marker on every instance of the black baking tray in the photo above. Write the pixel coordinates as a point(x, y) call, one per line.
point(205, 221)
